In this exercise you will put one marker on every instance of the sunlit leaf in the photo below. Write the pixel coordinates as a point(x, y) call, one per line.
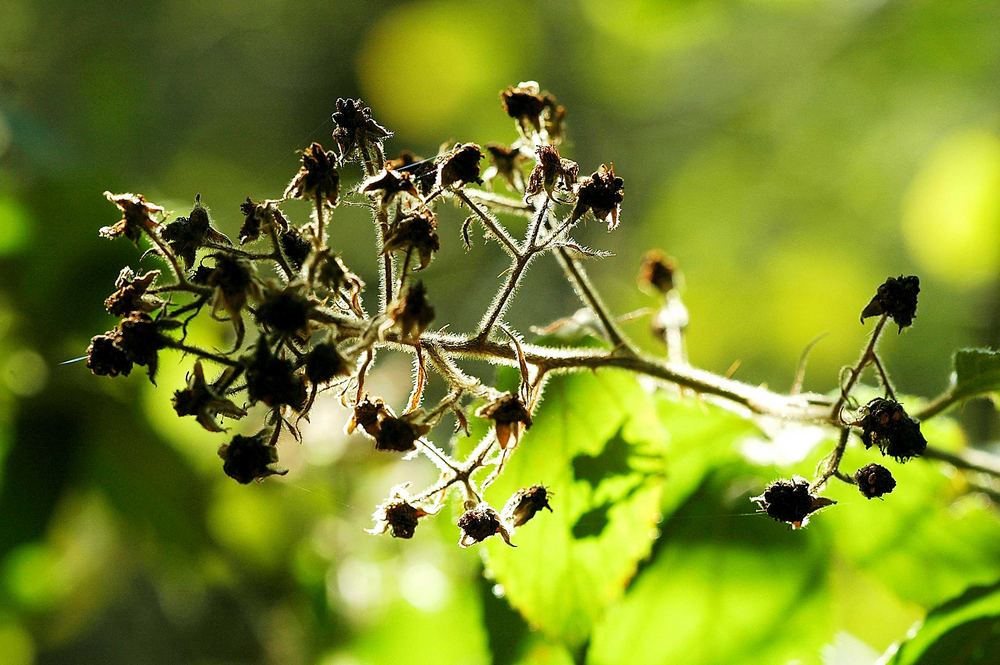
point(977, 372)
point(597, 445)
point(963, 630)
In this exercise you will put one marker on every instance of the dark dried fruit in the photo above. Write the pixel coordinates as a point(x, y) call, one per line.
point(295, 247)
point(874, 480)
point(397, 517)
point(131, 293)
point(416, 233)
point(509, 415)
point(105, 356)
point(273, 380)
point(411, 312)
point(551, 172)
point(479, 523)
point(884, 423)
point(506, 163)
point(317, 177)
point(790, 501)
point(249, 458)
point(459, 166)
point(523, 505)
point(324, 363)
point(369, 415)
point(356, 132)
point(201, 400)
point(185, 235)
point(399, 434)
point(138, 215)
point(601, 193)
point(897, 297)
point(285, 311)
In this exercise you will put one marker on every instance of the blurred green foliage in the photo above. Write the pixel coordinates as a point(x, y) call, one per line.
point(790, 154)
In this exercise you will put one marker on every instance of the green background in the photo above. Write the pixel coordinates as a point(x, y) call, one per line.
point(789, 154)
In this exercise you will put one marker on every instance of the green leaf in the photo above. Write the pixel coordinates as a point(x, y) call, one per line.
point(597, 445)
point(977, 372)
point(963, 630)
point(723, 586)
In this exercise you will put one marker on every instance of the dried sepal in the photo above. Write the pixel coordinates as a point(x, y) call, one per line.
point(203, 401)
point(479, 523)
point(510, 418)
point(138, 216)
point(525, 504)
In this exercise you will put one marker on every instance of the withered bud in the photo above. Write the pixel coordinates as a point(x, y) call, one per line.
point(551, 172)
point(324, 363)
point(885, 424)
point(524, 104)
point(790, 501)
point(602, 194)
point(295, 246)
point(260, 218)
point(232, 279)
point(400, 434)
point(657, 271)
point(510, 417)
point(138, 215)
point(131, 293)
point(273, 380)
point(317, 177)
point(415, 233)
point(141, 339)
point(523, 505)
point(285, 310)
point(249, 458)
point(369, 415)
point(897, 297)
point(411, 312)
point(459, 166)
point(186, 235)
point(201, 400)
point(356, 132)
point(479, 523)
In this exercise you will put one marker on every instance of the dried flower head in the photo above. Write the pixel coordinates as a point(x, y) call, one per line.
point(411, 312)
point(459, 166)
point(885, 424)
point(249, 458)
point(260, 218)
point(285, 310)
point(317, 178)
point(897, 297)
point(397, 515)
point(602, 194)
point(356, 132)
point(325, 363)
point(874, 480)
point(790, 501)
point(186, 235)
point(415, 233)
point(368, 414)
point(201, 400)
point(423, 172)
point(105, 356)
point(273, 380)
point(142, 338)
point(510, 417)
point(551, 172)
point(400, 434)
point(131, 295)
point(479, 523)
point(295, 246)
point(138, 216)
point(524, 504)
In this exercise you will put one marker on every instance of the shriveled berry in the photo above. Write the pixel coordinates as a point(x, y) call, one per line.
point(874, 480)
point(249, 458)
point(479, 523)
point(790, 501)
point(885, 424)
point(105, 356)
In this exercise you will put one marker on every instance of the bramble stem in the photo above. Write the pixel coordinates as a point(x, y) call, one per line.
point(866, 356)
